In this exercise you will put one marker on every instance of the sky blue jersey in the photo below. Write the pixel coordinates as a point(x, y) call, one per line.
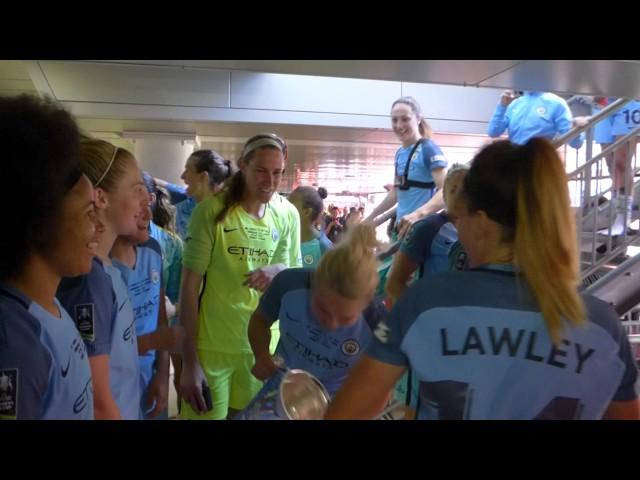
point(144, 284)
point(304, 342)
point(44, 367)
point(99, 304)
point(481, 350)
point(535, 114)
point(427, 157)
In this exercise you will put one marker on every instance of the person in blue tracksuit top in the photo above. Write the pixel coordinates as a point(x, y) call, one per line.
point(534, 114)
point(51, 233)
point(327, 315)
point(511, 338)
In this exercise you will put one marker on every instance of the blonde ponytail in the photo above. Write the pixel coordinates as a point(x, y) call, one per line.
point(524, 189)
point(545, 239)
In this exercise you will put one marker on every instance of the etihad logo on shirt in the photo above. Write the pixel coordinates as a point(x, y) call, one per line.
point(313, 357)
point(250, 253)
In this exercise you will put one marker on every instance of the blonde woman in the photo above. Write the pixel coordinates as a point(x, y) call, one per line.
point(99, 301)
point(327, 315)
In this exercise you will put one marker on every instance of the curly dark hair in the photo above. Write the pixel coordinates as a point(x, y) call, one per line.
point(40, 164)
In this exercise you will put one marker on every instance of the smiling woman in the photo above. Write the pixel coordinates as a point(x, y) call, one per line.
point(419, 168)
point(44, 371)
point(109, 330)
point(240, 237)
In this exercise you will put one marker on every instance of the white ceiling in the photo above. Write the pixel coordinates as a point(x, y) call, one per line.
point(15, 78)
point(611, 77)
point(340, 158)
point(588, 77)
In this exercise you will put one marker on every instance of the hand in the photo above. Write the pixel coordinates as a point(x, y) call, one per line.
point(264, 367)
point(261, 278)
point(406, 223)
point(580, 121)
point(586, 99)
point(170, 307)
point(191, 379)
point(158, 392)
point(507, 97)
point(177, 372)
point(169, 338)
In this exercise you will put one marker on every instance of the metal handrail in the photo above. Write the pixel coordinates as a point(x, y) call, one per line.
point(633, 338)
point(619, 250)
point(603, 153)
point(380, 219)
point(605, 112)
point(608, 189)
point(394, 247)
point(620, 247)
point(584, 175)
point(557, 142)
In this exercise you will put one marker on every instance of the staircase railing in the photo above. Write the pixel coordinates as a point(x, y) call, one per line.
point(584, 175)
